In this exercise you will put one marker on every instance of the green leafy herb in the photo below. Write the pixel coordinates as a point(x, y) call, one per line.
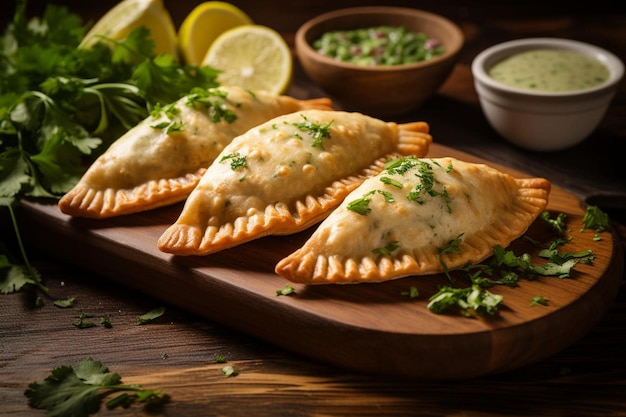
point(79, 391)
point(361, 205)
point(220, 358)
point(237, 161)
point(595, 219)
point(506, 268)
point(469, 299)
point(286, 290)
point(451, 247)
point(317, 131)
point(82, 323)
point(106, 322)
point(151, 315)
point(61, 106)
point(229, 371)
point(538, 300)
point(214, 100)
point(400, 165)
point(412, 292)
point(390, 181)
point(558, 223)
point(68, 302)
point(388, 249)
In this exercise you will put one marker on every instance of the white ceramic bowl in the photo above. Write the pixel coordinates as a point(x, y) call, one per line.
point(540, 120)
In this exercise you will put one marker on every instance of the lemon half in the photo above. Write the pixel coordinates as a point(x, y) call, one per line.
point(204, 24)
point(254, 57)
point(128, 15)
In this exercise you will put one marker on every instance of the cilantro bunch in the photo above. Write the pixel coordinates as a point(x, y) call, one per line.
point(61, 106)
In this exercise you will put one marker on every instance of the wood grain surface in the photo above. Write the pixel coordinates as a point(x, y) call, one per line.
point(366, 327)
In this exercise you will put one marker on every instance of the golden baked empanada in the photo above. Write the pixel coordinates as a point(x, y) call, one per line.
point(286, 175)
point(400, 222)
point(159, 161)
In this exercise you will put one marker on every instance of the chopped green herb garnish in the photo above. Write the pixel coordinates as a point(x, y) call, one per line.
point(360, 205)
point(388, 249)
point(237, 161)
point(451, 247)
point(229, 371)
point(68, 302)
point(286, 290)
point(214, 100)
point(82, 323)
point(151, 315)
point(413, 292)
point(595, 219)
point(219, 358)
point(390, 181)
point(558, 223)
point(317, 131)
point(538, 300)
point(473, 298)
point(106, 322)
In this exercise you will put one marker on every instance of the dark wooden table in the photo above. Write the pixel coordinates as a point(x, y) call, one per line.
point(177, 353)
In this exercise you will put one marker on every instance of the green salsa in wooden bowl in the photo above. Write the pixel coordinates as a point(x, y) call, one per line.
point(368, 75)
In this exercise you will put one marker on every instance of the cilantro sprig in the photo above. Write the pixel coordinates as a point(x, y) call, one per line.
point(80, 390)
point(507, 268)
point(62, 105)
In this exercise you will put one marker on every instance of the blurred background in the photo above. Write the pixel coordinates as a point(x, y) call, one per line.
point(484, 23)
point(288, 15)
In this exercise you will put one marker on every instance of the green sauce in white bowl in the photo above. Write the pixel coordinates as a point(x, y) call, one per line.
point(550, 70)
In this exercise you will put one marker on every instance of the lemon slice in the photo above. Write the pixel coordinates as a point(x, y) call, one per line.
point(128, 15)
point(204, 24)
point(254, 57)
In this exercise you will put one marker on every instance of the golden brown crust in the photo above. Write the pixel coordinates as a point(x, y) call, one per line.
point(148, 168)
point(481, 205)
point(290, 180)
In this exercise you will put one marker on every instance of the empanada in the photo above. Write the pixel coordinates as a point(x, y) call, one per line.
point(160, 161)
point(400, 222)
point(286, 175)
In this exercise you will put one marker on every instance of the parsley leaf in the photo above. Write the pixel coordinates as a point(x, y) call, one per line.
point(317, 131)
point(150, 315)
point(78, 391)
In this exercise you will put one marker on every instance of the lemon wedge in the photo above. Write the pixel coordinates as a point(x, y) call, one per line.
point(254, 57)
point(204, 24)
point(128, 15)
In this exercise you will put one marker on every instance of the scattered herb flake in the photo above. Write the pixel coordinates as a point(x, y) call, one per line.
point(237, 161)
point(106, 322)
point(412, 292)
point(82, 323)
point(229, 371)
point(286, 290)
point(595, 219)
point(538, 300)
point(67, 303)
point(317, 131)
point(150, 315)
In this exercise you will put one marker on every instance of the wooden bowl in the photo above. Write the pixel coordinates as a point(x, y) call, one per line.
point(381, 91)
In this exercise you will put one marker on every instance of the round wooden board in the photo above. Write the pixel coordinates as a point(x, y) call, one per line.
point(371, 328)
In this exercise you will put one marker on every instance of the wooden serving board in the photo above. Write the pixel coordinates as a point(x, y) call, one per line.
point(365, 327)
